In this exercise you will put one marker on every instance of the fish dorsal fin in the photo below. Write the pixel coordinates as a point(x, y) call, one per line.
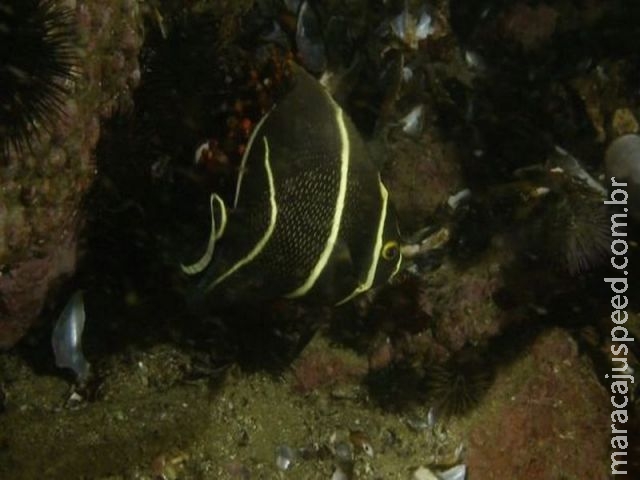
point(245, 156)
point(216, 233)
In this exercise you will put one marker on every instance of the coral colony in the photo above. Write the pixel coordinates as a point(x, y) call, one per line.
point(621, 373)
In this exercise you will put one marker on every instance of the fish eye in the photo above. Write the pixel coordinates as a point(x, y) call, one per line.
point(390, 250)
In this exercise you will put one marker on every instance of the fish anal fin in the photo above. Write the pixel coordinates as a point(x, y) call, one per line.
point(217, 230)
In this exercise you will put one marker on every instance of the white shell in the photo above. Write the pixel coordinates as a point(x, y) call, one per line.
point(459, 472)
point(338, 474)
point(424, 27)
point(454, 201)
point(285, 457)
point(423, 473)
point(475, 61)
point(409, 30)
point(399, 25)
point(407, 74)
point(431, 415)
point(413, 121)
point(570, 165)
point(367, 449)
point(199, 151)
point(66, 338)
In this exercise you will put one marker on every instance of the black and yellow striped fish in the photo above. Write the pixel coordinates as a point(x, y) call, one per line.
point(310, 218)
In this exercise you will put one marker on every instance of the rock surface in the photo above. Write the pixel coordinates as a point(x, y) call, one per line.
point(545, 417)
point(41, 190)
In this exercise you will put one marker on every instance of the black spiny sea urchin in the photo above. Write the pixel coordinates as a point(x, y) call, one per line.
point(578, 231)
point(457, 386)
point(36, 59)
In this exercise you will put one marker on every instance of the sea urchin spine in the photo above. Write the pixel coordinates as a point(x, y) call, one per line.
point(457, 386)
point(36, 62)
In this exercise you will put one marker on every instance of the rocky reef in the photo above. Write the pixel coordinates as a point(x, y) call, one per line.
point(43, 186)
point(485, 356)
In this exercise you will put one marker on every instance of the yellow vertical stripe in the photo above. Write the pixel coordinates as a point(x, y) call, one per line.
point(373, 266)
point(255, 251)
point(243, 163)
point(339, 207)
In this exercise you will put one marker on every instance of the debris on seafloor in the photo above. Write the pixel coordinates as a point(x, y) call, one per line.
point(418, 423)
point(455, 200)
point(459, 472)
point(413, 121)
point(624, 122)
point(361, 442)
point(167, 467)
point(426, 240)
point(285, 457)
point(561, 159)
point(411, 29)
point(66, 338)
point(339, 474)
point(475, 61)
point(343, 452)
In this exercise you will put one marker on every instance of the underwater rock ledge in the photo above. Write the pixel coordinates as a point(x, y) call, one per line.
point(42, 187)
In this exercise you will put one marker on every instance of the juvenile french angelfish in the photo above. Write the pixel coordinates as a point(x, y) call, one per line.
point(310, 216)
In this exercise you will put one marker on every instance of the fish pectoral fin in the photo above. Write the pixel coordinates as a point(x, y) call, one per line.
point(216, 232)
point(338, 275)
point(341, 257)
